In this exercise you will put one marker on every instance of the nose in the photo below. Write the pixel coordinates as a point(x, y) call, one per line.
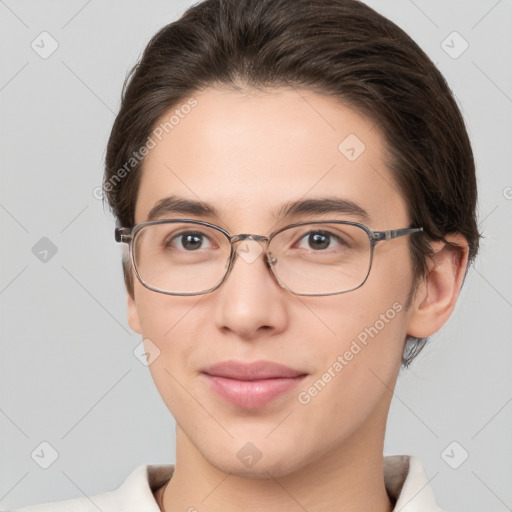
point(250, 301)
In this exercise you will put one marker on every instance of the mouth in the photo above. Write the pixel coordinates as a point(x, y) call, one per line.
point(251, 385)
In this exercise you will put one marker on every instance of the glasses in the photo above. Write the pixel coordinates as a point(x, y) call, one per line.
point(191, 257)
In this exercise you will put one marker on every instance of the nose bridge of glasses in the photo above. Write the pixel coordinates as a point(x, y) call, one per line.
point(247, 250)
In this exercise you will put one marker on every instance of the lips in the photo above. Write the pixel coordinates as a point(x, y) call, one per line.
point(251, 385)
point(257, 370)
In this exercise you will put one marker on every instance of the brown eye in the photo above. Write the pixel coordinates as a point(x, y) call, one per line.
point(188, 241)
point(321, 240)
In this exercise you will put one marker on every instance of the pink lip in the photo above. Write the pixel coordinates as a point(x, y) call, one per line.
point(251, 385)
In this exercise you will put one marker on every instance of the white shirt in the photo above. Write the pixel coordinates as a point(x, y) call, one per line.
point(404, 477)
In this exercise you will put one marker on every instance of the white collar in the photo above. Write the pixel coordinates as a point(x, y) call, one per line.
point(404, 477)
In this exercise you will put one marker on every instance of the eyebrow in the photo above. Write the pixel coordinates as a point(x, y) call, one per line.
point(317, 206)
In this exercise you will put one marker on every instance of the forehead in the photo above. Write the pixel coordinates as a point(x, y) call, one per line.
point(248, 154)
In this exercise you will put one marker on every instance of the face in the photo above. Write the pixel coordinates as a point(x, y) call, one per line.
point(246, 155)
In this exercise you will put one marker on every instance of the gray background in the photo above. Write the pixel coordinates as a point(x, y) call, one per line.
point(68, 373)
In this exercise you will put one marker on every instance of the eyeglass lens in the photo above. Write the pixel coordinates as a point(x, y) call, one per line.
point(308, 259)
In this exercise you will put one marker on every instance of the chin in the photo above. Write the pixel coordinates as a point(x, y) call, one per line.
point(250, 462)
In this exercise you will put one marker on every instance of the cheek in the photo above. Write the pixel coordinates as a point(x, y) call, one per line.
point(364, 330)
point(169, 332)
point(362, 347)
point(355, 372)
point(162, 316)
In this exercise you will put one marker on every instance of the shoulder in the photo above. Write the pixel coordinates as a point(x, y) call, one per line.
point(135, 494)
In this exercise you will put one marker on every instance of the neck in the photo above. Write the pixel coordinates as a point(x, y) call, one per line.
point(348, 477)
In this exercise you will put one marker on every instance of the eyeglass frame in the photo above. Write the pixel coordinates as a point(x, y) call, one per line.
point(127, 235)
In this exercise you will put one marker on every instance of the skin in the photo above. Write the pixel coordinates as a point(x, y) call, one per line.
point(246, 153)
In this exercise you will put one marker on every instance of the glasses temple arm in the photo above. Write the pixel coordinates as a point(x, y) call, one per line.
point(394, 233)
point(123, 235)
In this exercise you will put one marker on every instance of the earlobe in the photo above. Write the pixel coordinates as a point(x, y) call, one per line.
point(133, 314)
point(437, 293)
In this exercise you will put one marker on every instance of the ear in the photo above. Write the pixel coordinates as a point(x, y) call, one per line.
point(437, 293)
point(133, 314)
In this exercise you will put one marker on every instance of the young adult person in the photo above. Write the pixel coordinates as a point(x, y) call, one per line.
point(296, 189)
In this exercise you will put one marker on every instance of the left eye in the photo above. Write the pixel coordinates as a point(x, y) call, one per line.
point(318, 240)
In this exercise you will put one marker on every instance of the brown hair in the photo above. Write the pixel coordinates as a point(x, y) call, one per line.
point(340, 48)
